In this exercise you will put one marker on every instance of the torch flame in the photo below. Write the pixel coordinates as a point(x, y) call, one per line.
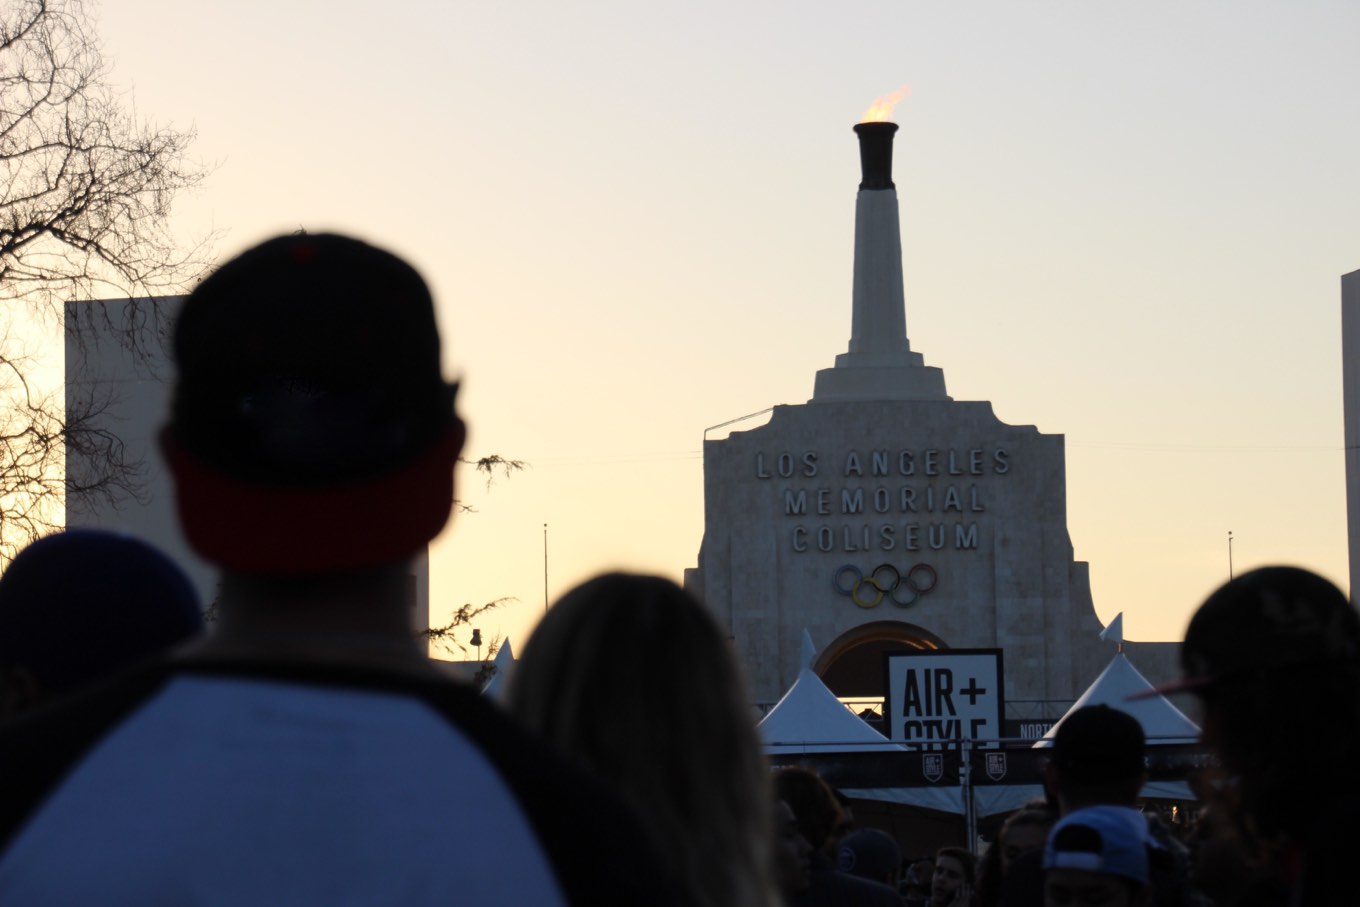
point(882, 107)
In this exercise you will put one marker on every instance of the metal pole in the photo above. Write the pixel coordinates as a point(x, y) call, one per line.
point(1230, 566)
point(545, 568)
point(969, 805)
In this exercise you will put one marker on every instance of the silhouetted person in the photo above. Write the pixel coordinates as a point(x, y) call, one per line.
point(951, 885)
point(78, 606)
point(1098, 759)
point(1097, 856)
point(1022, 833)
point(1274, 656)
point(792, 853)
point(632, 679)
point(308, 753)
point(915, 885)
point(870, 853)
point(819, 816)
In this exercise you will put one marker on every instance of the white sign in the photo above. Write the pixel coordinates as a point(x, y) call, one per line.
point(938, 698)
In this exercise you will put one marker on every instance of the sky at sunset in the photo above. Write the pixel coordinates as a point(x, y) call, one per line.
point(1123, 223)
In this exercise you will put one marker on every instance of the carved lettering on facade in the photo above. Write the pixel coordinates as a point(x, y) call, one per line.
point(935, 510)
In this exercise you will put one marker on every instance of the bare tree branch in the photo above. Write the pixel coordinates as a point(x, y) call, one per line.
point(490, 466)
point(487, 669)
point(86, 188)
point(496, 463)
point(445, 637)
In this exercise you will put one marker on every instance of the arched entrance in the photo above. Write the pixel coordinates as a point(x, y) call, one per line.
point(852, 665)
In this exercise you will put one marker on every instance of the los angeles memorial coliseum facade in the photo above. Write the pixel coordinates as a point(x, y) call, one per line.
point(882, 515)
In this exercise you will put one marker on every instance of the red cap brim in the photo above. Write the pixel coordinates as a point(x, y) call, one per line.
point(250, 527)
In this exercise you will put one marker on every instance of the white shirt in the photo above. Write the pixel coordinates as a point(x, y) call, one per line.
point(241, 791)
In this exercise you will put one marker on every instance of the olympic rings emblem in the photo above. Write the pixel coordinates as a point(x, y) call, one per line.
point(886, 581)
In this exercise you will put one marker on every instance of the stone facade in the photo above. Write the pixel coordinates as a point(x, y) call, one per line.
point(883, 515)
point(796, 511)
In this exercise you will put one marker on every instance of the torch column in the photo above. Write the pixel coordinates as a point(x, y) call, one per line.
point(879, 364)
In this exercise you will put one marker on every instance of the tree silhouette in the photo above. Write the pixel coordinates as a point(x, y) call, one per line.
point(86, 189)
point(445, 635)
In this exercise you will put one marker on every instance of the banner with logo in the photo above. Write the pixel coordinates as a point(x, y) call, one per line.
point(935, 699)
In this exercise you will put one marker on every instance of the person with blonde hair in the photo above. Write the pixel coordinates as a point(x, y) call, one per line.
point(631, 678)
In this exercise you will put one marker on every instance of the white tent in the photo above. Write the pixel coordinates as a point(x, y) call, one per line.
point(1162, 722)
point(810, 719)
point(504, 664)
point(987, 800)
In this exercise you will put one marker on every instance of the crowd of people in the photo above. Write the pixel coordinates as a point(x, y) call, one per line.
point(306, 751)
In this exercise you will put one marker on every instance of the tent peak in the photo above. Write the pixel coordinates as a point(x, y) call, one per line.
point(807, 653)
point(1115, 631)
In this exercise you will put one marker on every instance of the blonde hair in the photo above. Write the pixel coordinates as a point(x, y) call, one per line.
point(630, 677)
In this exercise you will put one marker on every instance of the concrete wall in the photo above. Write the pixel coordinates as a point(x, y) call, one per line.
point(837, 489)
point(138, 387)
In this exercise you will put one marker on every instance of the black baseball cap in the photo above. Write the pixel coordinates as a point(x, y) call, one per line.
point(311, 428)
point(1267, 622)
point(1097, 744)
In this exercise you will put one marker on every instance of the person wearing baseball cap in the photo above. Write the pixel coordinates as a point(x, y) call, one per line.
point(308, 752)
point(1097, 855)
point(870, 853)
point(1098, 759)
point(1274, 658)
